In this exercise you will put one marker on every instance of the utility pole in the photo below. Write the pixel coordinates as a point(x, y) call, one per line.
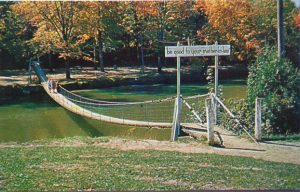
point(280, 31)
point(161, 17)
point(142, 53)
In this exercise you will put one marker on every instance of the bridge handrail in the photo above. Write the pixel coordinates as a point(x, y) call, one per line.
point(108, 103)
point(84, 100)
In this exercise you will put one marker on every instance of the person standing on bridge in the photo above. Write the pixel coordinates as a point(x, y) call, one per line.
point(50, 85)
point(54, 86)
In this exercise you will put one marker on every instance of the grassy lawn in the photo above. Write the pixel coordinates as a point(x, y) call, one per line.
point(287, 138)
point(41, 166)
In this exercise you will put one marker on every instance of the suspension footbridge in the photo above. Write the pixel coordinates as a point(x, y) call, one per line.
point(196, 114)
point(153, 113)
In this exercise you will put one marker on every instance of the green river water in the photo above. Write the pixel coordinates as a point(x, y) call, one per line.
point(39, 117)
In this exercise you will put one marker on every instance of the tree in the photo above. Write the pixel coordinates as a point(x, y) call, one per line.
point(159, 22)
point(231, 22)
point(274, 80)
point(297, 25)
point(280, 28)
point(13, 36)
point(134, 22)
point(44, 42)
point(58, 19)
point(99, 21)
point(246, 25)
point(175, 21)
point(297, 20)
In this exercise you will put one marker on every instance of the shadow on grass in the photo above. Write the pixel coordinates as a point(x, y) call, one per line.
point(282, 144)
point(244, 149)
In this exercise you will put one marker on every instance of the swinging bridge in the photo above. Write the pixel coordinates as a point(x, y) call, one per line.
point(199, 112)
point(153, 113)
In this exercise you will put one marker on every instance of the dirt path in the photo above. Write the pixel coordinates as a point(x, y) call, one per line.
point(234, 146)
point(20, 77)
point(278, 152)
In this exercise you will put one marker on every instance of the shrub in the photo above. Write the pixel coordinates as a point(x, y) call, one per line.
point(198, 67)
point(275, 81)
point(241, 111)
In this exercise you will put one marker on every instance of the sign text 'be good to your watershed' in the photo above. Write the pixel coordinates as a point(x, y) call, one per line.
point(196, 51)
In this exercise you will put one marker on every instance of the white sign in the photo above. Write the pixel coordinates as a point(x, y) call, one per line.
point(195, 51)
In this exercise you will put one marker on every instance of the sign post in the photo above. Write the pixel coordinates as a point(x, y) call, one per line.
point(215, 103)
point(177, 108)
point(193, 51)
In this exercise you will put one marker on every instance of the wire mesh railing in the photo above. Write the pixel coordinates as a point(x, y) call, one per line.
point(83, 100)
point(160, 110)
point(141, 112)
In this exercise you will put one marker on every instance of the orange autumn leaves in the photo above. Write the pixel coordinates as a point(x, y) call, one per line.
point(246, 25)
point(231, 21)
point(55, 24)
point(297, 20)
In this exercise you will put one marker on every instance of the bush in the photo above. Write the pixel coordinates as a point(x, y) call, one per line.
point(241, 111)
point(198, 67)
point(275, 81)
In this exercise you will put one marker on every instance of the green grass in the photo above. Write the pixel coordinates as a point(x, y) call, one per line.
point(287, 138)
point(40, 166)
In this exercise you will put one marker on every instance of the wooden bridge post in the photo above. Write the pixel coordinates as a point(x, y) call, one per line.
point(177, 108)
point(258, 134)
point(210, 128)
point(215, 103)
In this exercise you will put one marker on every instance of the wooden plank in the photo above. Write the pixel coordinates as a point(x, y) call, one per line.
point(174, 124)
point(235, 119)
point(215, 106)
point(193, 111)
point(194, 134)
point(258, 134)
point(177, 108)
point(210, 128)
point(64, 102)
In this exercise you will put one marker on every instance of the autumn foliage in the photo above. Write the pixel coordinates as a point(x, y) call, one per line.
point(234, 23)
point(247, 25)
point(297, 20)
point(90, 30)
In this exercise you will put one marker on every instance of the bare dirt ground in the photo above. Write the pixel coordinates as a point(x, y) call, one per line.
point(10, 77)
point(234, 146)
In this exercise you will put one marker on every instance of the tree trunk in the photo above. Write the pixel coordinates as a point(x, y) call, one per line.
point(137, 54)
point(280, 28)
point(100, 46)
point(67, 66)
point(299, 47)
point(50, 62)
point(94, 59)
point(142, 55)
point(159, 57)
point(159, 64)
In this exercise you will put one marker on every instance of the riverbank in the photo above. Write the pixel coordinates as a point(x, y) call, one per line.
point(105, 163)
point(15, 82)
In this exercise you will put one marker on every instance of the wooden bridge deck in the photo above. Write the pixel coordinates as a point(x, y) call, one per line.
point(67, 104)
point(73, 107)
